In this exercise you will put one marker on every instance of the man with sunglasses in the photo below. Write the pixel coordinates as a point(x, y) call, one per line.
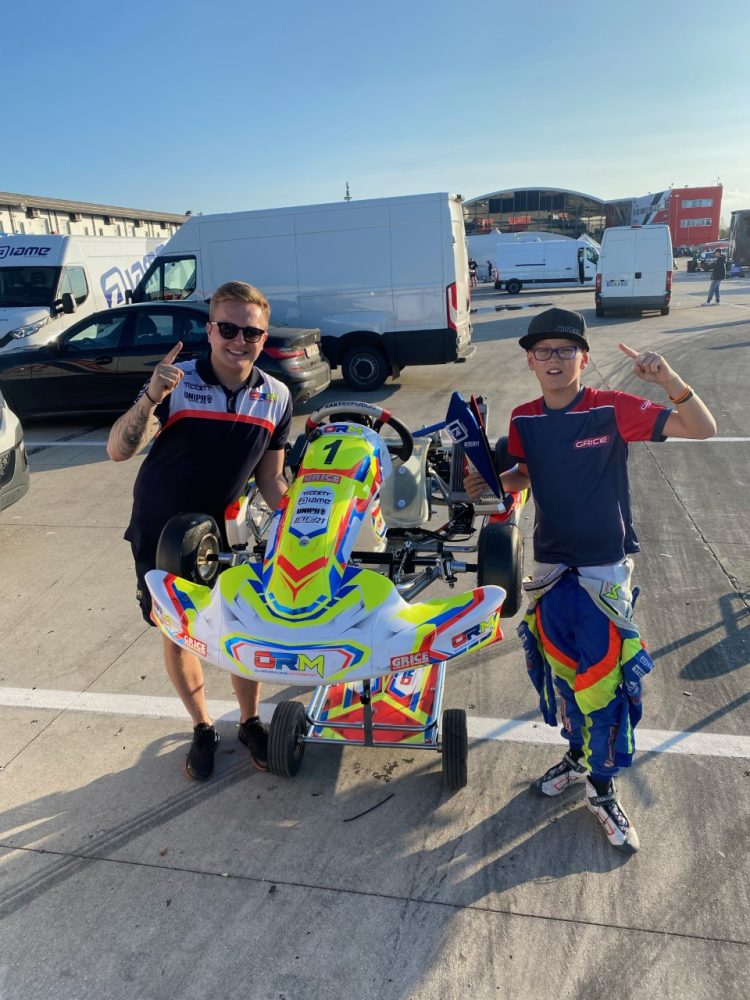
point(571, 446)
point(214, 422)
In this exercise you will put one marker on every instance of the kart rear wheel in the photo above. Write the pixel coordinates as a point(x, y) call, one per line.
point(186, 547)
point(455, 749)
point(502, 462)
point(286, 746)
point(500, 562)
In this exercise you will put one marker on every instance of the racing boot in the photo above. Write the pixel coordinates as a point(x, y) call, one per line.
point(616, 825)
point(568, 772)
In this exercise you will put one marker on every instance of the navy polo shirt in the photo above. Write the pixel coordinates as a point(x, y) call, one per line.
point(577, 463)
point(210, 442)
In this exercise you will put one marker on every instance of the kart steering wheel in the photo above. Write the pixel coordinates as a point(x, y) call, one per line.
point(357, 411)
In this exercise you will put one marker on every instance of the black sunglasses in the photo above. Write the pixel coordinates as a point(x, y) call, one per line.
point(250, 334)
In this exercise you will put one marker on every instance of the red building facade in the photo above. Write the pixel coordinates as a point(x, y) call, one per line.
point(692, 213)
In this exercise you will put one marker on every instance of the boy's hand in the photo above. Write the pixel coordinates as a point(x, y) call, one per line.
point(474, 485)
point(652, 367)
point(167, 376)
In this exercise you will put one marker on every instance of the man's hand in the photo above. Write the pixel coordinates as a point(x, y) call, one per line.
point(167, 376)
point(652, 367)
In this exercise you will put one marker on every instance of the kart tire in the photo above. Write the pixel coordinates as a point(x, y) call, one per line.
point(364, 367)
point(455, 749)
point(286, 746)
point(184, 543)
point(500, 562)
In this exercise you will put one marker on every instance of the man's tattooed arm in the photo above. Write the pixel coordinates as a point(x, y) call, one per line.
point(133, 430)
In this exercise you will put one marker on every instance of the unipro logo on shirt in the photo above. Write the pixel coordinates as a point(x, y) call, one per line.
point(595, 442)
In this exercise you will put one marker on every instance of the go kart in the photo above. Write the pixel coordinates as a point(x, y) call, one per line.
point(317, 594)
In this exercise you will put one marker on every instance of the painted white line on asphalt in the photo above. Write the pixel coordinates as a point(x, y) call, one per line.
point(502, 730)
point(65, 444)
point(653, 740)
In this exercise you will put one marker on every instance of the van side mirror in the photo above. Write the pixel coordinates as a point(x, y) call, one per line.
point(68, 302)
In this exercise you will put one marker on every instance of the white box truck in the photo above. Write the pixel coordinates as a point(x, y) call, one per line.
point(544, 262)
point(49, 282)
point(386, 280)
point(635, 269)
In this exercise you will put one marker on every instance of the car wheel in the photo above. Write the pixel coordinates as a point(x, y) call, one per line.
point(664, 311)
point(286, 746)
point(599, 312)
point(186, 548)
point(500, 562)
point(455, 749)
point(364, 367)
point(513, 287)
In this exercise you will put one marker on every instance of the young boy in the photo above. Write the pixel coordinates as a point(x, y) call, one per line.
point(571, 448)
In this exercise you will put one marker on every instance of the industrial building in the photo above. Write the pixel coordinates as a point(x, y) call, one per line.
point(692, 214)
point(34, 215)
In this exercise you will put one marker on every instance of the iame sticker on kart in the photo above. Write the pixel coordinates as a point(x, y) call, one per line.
point(312, 512)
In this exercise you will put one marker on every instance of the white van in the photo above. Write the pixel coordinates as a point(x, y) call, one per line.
point(385, 280)
point(635, 269)
point(49, 282)
point(544, 262)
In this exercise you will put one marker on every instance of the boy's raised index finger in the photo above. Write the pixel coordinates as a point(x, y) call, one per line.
point(169, 358)
point(629, 351)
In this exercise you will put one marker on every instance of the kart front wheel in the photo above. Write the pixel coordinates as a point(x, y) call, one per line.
point(455, 749)
point(188, 546)
point(500, 562)
point(286, 746)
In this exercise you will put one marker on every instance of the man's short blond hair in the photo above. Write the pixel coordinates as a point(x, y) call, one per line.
point(239, 291)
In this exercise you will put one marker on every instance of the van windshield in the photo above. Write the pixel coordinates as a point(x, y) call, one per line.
point(27, 286)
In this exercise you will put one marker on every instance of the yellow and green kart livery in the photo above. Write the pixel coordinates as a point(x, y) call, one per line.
point(307, 614)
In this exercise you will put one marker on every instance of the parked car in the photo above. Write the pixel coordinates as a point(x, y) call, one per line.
point(100, 364)
point(14, 466)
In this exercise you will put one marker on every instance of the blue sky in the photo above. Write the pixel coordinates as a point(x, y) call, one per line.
point(234, 105)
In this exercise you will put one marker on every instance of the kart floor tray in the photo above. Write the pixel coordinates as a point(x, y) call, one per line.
point(404, 709)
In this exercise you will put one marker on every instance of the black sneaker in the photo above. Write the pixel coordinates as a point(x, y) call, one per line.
point(199, 763)
point(255, 738)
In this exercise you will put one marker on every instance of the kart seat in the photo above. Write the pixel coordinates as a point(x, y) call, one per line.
point(403, 494)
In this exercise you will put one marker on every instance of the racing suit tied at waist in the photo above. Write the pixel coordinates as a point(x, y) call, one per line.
point(617, 680)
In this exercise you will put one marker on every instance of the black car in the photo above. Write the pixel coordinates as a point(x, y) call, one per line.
point(99, 364)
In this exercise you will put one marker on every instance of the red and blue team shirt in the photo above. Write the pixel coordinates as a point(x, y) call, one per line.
point(210, 442)
point(577, 461)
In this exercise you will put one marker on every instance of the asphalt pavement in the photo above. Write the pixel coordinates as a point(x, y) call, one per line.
point(362, 877)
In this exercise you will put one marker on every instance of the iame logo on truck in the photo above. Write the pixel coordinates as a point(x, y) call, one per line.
point(9, 251)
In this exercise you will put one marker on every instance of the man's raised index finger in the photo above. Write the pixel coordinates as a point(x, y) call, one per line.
point(169, 358)
point(629, 351)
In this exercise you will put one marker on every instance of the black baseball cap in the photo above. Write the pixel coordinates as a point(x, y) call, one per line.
point(562, 324)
